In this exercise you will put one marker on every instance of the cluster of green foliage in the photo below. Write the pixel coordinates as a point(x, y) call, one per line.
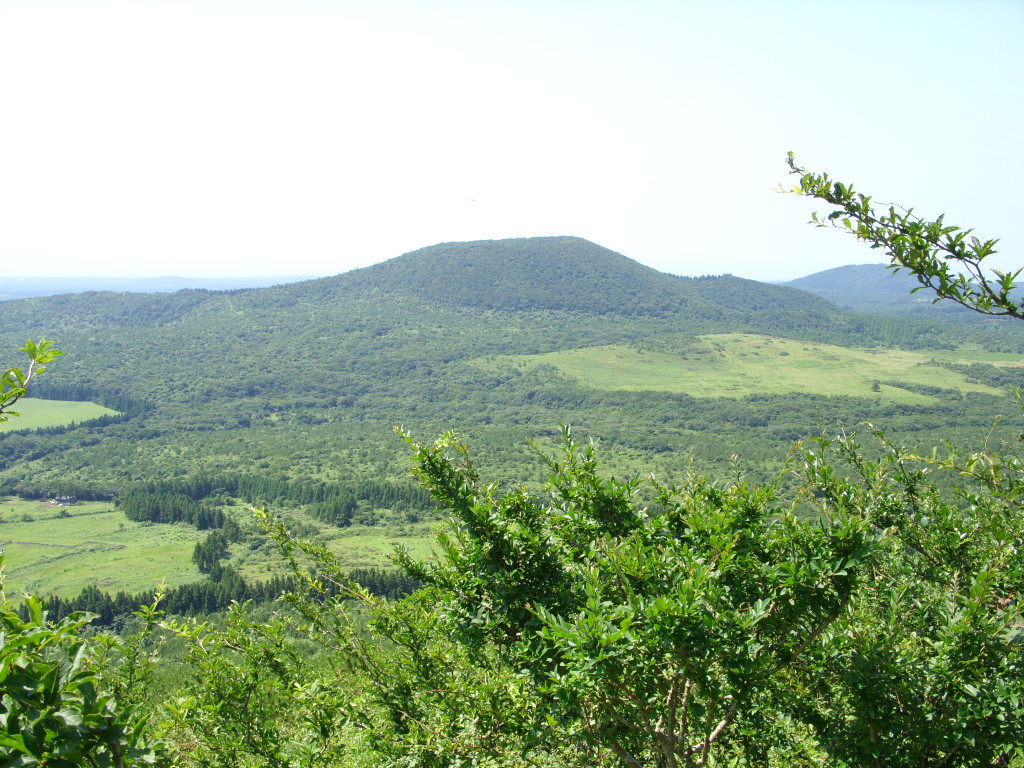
point(646, 627)
point(169, 508)
point(68, 700)
point(169, 501)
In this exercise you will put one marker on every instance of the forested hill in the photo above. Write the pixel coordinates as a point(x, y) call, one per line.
point(568, 274)
point(524, 274)
point(438, 304)
point(310, 377)
point(447, 302)
point(532, 275)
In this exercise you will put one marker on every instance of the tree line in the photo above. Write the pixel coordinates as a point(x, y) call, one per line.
point(217, 593)
point(195, 499)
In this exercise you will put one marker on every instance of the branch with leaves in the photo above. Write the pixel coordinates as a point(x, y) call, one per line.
point(945, 259)
point(14, 381)
point(68, 697)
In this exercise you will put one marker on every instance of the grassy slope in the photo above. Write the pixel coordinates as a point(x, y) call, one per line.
point(36, 413)
point(356, 547)
point(736, 365)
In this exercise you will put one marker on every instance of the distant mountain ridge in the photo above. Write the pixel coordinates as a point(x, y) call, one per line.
point(876, 289)
point(29, 287)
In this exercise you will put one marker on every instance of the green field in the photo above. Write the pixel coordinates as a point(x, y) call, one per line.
point(60, 551)
point(93, 545)
point(36, 413)
point(356, 547)
point(739, 364)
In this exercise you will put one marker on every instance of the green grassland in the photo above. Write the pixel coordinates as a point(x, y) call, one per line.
point(36, 413)
point(740, 364)
point(60, 551)
point(257, 559)
point(47, 552)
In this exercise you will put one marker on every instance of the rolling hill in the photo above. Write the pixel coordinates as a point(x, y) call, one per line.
point(307, 379)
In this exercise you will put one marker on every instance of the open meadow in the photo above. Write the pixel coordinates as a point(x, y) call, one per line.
point(37, 413)
point(61, 550)
point(741, 364)
point(356, 546)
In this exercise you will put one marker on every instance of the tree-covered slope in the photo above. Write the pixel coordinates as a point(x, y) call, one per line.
point(549, 273)
point(570, 274)
point(101, 310)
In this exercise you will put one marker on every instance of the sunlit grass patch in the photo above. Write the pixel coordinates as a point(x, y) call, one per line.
point(61, 550)
point(37, 413)
point(737, 364)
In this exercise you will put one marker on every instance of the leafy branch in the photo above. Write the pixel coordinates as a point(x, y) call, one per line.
point(944, 258)
point(14, 381)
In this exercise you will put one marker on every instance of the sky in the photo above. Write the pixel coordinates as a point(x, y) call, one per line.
point(266, 137)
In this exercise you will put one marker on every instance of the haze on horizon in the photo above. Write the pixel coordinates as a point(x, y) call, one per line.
point(222, 137)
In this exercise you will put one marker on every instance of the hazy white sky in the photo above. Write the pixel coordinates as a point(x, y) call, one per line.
point(214, 137)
